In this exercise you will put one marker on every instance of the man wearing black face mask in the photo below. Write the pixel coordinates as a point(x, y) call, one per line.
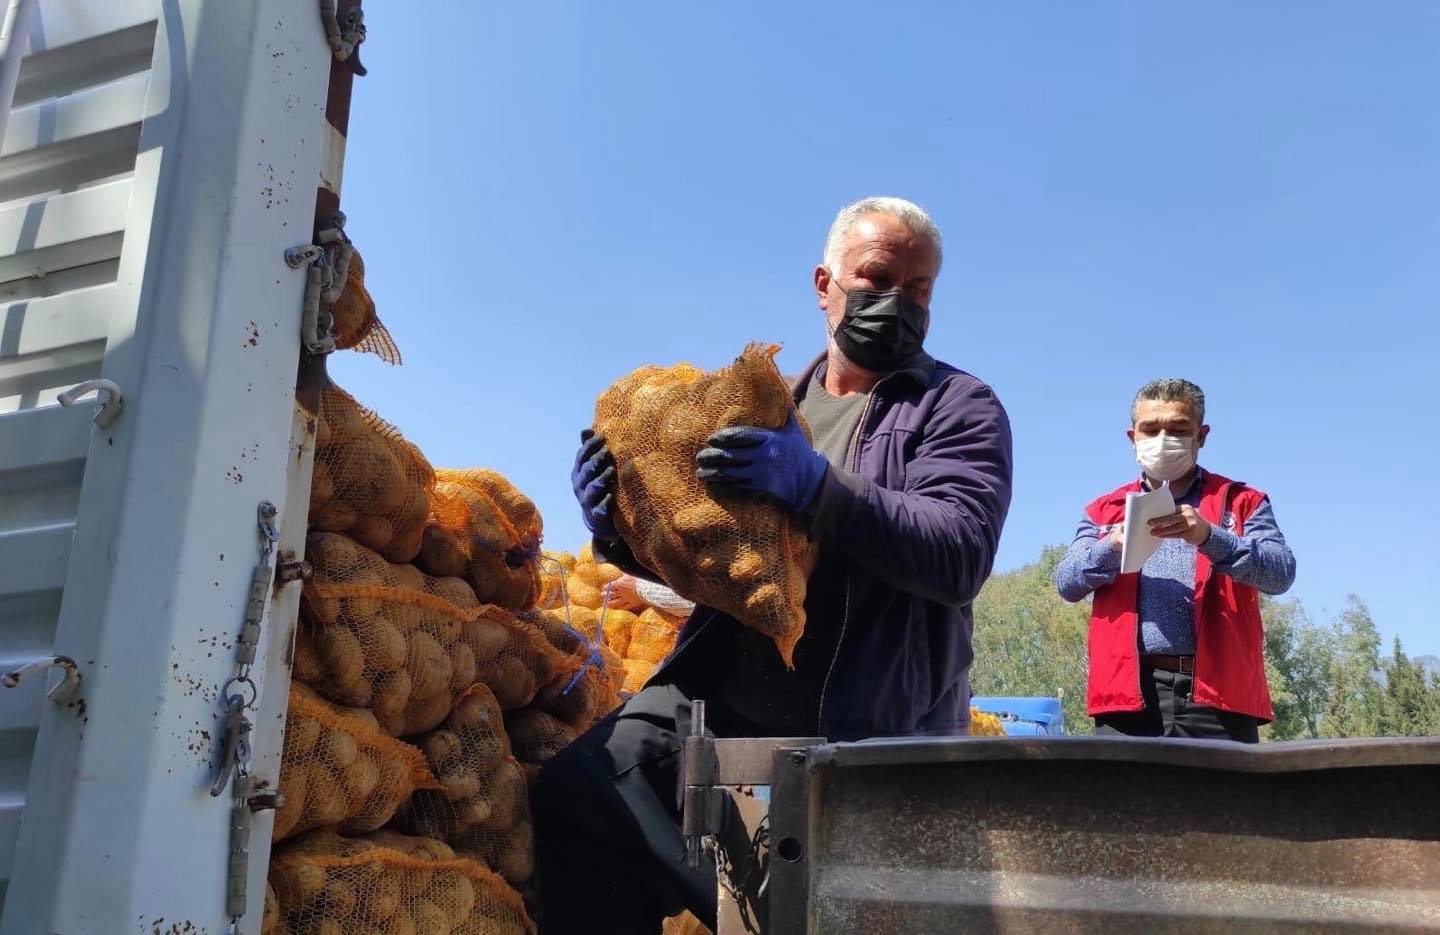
point(905, 487)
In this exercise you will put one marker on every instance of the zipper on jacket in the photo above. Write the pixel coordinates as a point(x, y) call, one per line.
point(849, 579)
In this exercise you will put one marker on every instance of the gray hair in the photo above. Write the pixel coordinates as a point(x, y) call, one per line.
point(1172, 390)
point(907, 212)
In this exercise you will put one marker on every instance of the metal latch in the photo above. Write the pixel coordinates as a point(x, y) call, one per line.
point(327, 263)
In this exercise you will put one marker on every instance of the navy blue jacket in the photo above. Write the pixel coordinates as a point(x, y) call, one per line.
point(917, 514)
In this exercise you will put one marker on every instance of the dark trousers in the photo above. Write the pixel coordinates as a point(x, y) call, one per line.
point(607, 822)
point(1169, 712)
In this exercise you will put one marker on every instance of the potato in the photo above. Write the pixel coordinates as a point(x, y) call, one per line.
point(443, 750)
point(322, 488)
point(400, 924)
point(465, 672)
point(339, 899)
point(334, 516)
point(297, 883)
point(392, 696)
point(513, 682)
point(373, 532)
point(293, 783)
point(361, 779)
point(301, 734)
point(405, 545)
point(429, 918)
point(325, 804)
point(516, 860)
point(341, 653)
point(488, 637)
point(454, 893)
point(306, 666)
point(382, 644)
point(441, 552)
point(338, 750)
point(385, 895)
point(583, 593)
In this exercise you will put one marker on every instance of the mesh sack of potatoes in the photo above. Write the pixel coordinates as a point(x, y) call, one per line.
point(369, 482)
point(536, 736)
point(339, 769)
point(586, 583)
point(388, 883)
point(406, 645)
point(590, 675)
point(555, 570)
point(984, 724)
point(684, 924)
point(481, 807)
point(356, 326)
point(483, 529)
point(740, 555)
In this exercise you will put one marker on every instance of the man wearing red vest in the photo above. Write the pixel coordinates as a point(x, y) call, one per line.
point(1176, 650)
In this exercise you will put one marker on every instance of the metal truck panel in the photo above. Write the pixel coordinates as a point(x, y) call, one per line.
point(160, 158)
point(1100, 835)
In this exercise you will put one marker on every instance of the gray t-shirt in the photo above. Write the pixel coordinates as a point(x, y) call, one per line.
point(832, 419)
point(755, 683)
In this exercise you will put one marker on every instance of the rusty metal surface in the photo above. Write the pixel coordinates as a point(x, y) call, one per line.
point(1098, 835)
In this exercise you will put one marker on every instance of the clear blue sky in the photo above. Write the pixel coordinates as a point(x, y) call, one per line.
point(549, 195)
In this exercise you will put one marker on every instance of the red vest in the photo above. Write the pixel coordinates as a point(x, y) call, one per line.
point(1229, 642)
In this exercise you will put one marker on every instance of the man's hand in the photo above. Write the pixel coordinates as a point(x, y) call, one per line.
point(780, 464)
point(1117, 538)
point(593, 481)
point(1184, 524)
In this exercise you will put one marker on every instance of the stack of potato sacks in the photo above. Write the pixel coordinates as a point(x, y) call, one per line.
point(642, 640)
point(405, 808)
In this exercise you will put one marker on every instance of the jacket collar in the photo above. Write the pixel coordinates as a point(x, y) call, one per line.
point(920, 369)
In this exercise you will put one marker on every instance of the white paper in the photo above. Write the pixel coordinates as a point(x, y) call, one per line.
point(1140, 509)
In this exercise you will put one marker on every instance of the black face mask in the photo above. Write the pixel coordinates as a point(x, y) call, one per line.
point(880, 331)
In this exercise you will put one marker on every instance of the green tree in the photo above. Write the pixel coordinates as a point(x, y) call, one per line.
point(1298, 656)
point(1030, 642)
point(1405, 706)
point(1356, 702)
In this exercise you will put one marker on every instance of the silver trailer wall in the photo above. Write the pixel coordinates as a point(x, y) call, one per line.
point(161, 156)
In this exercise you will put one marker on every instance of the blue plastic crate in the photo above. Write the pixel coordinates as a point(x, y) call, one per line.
point(1024, 717)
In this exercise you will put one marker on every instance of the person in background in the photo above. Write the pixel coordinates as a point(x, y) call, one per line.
point(904, 484)
point(1176, 650)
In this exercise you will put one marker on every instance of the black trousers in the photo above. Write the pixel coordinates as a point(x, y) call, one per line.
point(607, 822)
point(1169, 712)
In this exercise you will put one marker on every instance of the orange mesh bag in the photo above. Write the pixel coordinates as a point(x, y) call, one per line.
point(338, 768)
point(739, 555)
point(369, 482)
point(684, 924)
point(536, 736)
point(652, 637)
point(555, 569)
point(356, 326)
point(483, 529)
point(482, 807)
point(389, 884)
point(591, 675)
point(619, 627)
point(984, 724)
point(406, 645)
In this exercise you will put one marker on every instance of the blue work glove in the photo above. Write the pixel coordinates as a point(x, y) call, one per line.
point(779, 464)
point(593, 480)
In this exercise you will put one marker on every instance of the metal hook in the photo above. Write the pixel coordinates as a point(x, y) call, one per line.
point(60, 693)
point(108, 393)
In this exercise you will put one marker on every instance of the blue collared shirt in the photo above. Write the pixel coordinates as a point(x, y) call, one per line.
point(1166, 606)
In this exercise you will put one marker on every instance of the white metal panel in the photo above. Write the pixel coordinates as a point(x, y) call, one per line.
point(147, 246)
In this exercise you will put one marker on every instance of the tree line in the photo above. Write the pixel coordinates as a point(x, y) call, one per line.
point(1331, 679)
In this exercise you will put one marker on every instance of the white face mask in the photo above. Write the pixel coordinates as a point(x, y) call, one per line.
point(1165, 457)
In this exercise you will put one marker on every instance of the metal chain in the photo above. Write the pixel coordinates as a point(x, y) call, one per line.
point(239, 695)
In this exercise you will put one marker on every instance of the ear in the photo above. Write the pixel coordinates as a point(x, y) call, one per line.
point(1130, 434)
point(1201, 435)
point(822, 287)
